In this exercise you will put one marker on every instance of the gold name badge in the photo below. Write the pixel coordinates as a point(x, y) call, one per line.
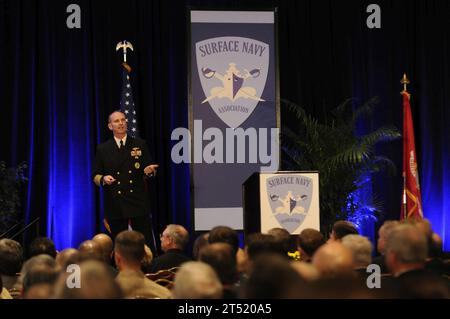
point(137, 165)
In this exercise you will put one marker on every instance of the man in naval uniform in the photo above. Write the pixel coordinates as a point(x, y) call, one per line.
point(121, 166)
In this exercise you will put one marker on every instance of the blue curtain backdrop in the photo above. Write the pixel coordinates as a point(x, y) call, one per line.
point(58, 85)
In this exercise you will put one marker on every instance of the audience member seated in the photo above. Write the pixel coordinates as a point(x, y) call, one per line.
point(42, 245)
point(196, 280)
point(272, 277)
point(435, 261)
point(227, 235)
point(361, 249)
point(406, 252)
point(66, 257)
point(173, 242)
point(257, 244)
point(221, 257)
point(43, 260)
point(106, 245)
point(201, 241)
point(41, 274)
point(308, 241)
point(96, 282)
point(128, 253)
point(410, 252)
point(342, 228)
point(90, 249)
point(224, 234)
point(333, 260)
point(383, 233)
point(282, 236)
point(11, 256)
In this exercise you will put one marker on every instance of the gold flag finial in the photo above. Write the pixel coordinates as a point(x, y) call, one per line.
point(124, 45)
point(405, 82)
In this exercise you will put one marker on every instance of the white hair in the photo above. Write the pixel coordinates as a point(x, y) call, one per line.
point(408, 243)
point(361, 249)
point(196, 280)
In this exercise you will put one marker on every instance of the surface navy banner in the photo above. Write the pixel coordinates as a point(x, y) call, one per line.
point(234, 110)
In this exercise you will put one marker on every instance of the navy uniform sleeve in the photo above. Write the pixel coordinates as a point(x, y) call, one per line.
point(98, 169)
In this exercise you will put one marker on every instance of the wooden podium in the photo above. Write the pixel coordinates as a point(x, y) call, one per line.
point(288, 200)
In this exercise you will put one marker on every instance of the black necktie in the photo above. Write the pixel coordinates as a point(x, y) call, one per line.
point(121, 144)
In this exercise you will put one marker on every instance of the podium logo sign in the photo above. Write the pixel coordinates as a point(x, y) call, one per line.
point(290, 199)
point(233, 74)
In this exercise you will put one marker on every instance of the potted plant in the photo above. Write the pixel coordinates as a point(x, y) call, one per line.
point(11, 180)
point(345, 161)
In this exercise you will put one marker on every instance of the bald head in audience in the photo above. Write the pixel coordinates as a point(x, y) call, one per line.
point(333, 259)
point(96, 282)
point(90, 249)
point(66, 257)
point(106, 245)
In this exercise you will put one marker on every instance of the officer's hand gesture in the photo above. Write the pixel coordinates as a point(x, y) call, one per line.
point(108, 179)
point(151, 169)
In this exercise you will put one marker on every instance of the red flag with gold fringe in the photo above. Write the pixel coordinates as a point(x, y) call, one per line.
point(412, 201)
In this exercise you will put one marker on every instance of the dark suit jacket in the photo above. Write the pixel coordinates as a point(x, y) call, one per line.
point(127, 196)
point(422, 283)
point(171, 258)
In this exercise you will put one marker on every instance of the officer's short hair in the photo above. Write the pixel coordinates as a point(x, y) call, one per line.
point(130, 245)
point(116, 111)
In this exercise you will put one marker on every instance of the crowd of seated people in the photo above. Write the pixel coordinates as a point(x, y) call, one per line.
point(409, 264)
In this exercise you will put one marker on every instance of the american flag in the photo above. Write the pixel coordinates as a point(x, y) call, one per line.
point(126, 102)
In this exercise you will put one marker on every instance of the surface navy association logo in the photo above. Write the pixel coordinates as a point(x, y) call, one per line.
point(233, 73)
point(290, 199)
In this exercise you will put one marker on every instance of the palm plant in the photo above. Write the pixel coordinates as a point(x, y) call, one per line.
point(345, 161)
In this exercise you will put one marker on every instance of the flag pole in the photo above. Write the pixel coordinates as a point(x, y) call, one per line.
point(405, 82)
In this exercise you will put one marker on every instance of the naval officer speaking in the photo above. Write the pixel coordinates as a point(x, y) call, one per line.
point(120, 167)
